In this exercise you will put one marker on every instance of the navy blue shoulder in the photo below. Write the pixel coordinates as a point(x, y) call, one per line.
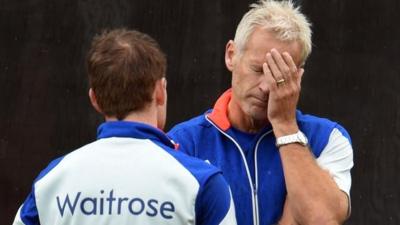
point(318, 130)
point(188, 133)
point(49, 167)
point(189, 124)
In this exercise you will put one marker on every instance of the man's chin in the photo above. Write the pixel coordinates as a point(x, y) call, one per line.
point(259, 115)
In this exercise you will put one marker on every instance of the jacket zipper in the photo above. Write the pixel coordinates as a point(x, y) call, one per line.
point(256, 172)
point(253, 186)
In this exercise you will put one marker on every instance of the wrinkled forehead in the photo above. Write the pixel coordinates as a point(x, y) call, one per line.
point(262, 41)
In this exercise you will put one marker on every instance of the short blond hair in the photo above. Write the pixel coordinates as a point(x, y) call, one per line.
point(281, 17)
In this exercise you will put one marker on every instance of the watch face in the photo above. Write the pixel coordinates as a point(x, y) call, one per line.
point(298, 137)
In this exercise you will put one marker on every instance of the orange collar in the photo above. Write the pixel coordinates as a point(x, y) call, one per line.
point(219, 115)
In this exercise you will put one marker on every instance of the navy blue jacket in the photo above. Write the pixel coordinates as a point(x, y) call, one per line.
point(256, 177)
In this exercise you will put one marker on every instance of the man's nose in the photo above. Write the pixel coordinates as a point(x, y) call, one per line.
point(263, 85)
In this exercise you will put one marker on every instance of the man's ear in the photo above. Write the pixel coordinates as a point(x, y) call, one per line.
point(93, 100)
point(230, 51)
point(161, 91)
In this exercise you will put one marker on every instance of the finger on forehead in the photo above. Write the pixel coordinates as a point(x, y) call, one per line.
point(276, 73)
point(280, 62)
point(268, 76)
point(289, 61)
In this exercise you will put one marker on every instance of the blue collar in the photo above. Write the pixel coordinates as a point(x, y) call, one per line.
point(133, 130)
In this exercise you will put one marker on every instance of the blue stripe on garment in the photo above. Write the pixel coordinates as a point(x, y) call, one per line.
point(29, 212)
point(213, 201)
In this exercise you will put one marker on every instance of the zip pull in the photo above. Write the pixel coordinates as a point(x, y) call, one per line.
point(256, 219)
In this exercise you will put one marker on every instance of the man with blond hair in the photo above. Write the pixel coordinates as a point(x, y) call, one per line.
point(283, 166)
point(132, 174)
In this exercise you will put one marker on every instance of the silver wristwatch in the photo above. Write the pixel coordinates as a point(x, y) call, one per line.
point(298, 137)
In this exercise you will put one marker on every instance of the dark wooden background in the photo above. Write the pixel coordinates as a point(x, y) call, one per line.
point(352, 77)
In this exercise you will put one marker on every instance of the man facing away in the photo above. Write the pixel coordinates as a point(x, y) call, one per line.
point(131, 174)
point(282, 166)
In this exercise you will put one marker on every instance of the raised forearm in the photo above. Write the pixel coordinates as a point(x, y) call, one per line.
point(314, 196)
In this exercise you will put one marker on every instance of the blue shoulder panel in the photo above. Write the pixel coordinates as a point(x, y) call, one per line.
point(318, 131)
point(186, 136)
point(29, 213)
point(213, 201)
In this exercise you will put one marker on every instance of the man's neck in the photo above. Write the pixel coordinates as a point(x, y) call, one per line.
point(147, 117)
point(241, 121)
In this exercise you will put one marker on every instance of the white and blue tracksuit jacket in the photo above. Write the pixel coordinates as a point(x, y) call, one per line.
point(130, 175)
point(256, 176)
